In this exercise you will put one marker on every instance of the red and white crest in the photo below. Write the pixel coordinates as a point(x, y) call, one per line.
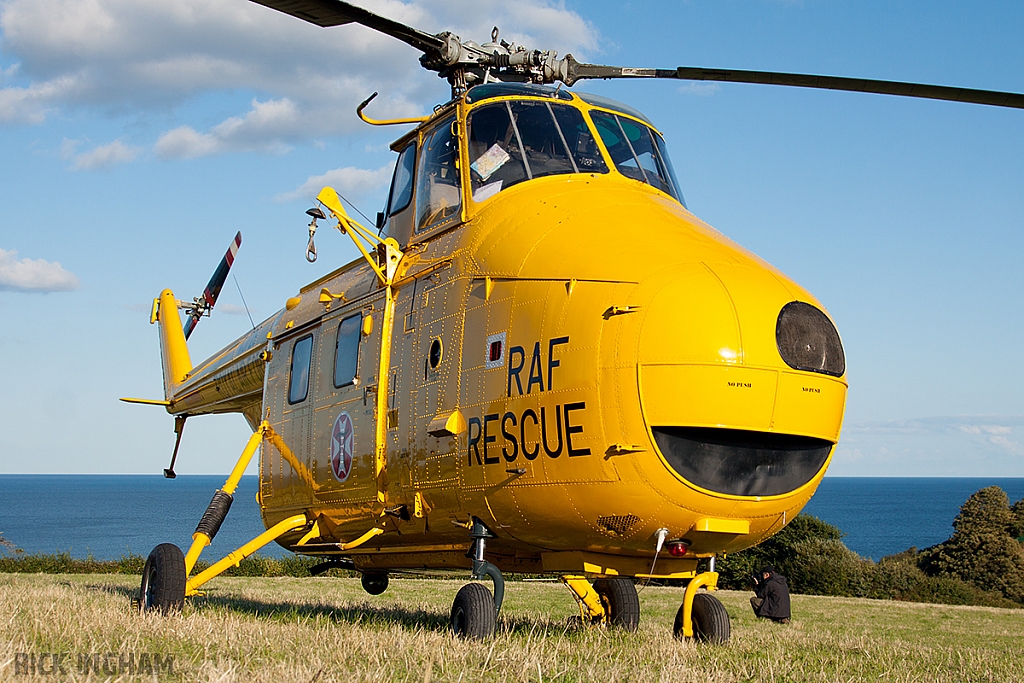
point(341, 446)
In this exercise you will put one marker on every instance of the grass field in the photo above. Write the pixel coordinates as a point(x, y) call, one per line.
point(328, 629)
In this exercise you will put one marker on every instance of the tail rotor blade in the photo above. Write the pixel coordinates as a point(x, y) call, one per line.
point(190, 324)
point(209, 299)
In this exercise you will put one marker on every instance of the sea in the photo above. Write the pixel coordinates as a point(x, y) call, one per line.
point(109, 516)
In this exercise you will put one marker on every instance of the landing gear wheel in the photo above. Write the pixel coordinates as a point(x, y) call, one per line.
point(375, 583)
point(710, 620)
point(621, 603)
point(163, 580)
point(473, 612)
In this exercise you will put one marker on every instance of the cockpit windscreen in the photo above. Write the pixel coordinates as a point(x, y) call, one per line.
point(638, 152)
point(511, 141)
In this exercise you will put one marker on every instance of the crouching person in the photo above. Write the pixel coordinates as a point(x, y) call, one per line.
point(771, 595)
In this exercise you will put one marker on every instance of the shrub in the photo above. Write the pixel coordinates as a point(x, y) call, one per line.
point(812, 556)
point(826, 566)
point(736, 568)
point(983, 549)
point(63, 563)
point(8, 547)
point(897, 577)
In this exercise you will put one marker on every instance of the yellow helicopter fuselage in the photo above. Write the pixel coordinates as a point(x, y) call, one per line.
point(575, 360)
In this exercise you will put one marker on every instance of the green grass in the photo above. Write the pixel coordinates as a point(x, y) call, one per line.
point(327, 629)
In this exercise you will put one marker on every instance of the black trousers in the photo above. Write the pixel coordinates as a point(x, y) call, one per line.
point(755, 604)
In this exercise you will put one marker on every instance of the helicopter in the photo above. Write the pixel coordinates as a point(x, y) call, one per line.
point(505, 381)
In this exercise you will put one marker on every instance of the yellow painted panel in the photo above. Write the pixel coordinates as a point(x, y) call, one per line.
point(757, 296)
point(810, 404)
point(707, 396)
point(613, 565)
point(690, 320)
point(722, 526)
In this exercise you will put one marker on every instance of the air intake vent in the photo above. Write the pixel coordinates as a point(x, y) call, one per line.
point(618, 524)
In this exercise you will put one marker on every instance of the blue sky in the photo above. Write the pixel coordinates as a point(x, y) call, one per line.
point(138, 135)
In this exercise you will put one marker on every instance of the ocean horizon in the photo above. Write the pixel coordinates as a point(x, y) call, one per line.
point(108, 516)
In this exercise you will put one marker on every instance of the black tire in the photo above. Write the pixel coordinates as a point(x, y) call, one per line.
point(375, 583)
point(622, 604)
point(473, 612)
point(710, 620)
point(163, 580)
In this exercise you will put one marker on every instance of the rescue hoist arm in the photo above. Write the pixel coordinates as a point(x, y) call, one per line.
point(387, 253)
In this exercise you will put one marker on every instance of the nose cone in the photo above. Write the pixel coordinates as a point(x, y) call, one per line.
point(726, 410)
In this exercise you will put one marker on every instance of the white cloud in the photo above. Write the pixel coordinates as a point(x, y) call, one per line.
point(231, 309)
point(32, 103)
point(100, 156)
point(150, 56)
point(1004, 443)
point(185, 142)
point(105, 156)
point(984, 429)
point(28, 275)
point(349, 181)
point(937, 446)
point(262, 129)
point(699, 88)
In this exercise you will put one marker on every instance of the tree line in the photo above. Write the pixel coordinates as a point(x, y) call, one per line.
point(982, 563)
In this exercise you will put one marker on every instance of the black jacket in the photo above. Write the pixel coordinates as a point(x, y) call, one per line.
point(775, 593)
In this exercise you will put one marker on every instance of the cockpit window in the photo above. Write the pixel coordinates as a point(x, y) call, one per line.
point(510, 142)
point(438, 193)
point(638, 152)
point(401, 183)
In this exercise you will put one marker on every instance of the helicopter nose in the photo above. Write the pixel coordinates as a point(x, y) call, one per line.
point(740, 380)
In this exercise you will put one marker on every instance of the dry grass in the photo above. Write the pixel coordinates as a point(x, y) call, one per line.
point(327, 629)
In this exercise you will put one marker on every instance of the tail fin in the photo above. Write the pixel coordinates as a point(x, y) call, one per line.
point(173, 349)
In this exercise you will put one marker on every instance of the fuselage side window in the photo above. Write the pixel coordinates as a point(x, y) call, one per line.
point(346, 353)
point(635, 151)
point(298, 383)
point(510, 142)
point(438, 190)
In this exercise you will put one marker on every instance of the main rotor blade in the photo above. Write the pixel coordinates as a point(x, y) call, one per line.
point(214, 286)
point(577, 71)
point(335, 13)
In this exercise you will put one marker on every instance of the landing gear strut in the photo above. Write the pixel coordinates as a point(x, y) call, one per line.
point(702, 616)
point(612, 601)
point(475, 612)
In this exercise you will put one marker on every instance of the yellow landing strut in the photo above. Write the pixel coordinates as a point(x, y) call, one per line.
point(592, 610)
point(233, 558)
point(201, 538)
point(708, 580)
point(221, 503)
